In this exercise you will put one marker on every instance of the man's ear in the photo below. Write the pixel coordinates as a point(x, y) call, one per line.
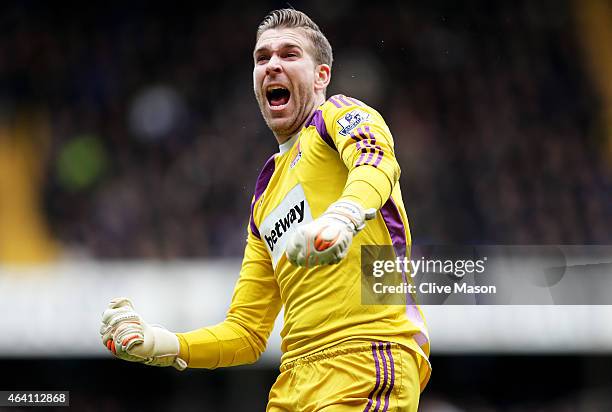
point(322, 76)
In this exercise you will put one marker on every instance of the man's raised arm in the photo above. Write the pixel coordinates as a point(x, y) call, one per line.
point(239, 339)
point(365, 145)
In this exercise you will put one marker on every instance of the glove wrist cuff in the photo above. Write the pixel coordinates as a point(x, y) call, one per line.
point(349, 212)
point(167, 347)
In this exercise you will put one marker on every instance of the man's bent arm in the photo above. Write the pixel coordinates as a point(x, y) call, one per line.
point(368, 153)
point(242, 337)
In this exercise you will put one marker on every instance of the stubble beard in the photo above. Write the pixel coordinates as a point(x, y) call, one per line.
point(293, 125)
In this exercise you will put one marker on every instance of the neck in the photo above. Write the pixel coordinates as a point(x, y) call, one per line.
point(319, 100)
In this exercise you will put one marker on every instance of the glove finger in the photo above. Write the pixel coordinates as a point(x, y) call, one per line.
point(110, 312)
point(107, 337)
point(117, 305)
point(140, 349)
point(297, 259)
point(123, 354)
point(112, 317)
point(340, 254)
point(126, 342)
point(332, 257)
point(114, 305)
point(312, 259)
point(124, 339)
point(119, 331)
point(128, 330)
point(120, 302)
point(110, 324)
point(130, 341)
point(295, 246)
point(127, 326)
point(104, 329)
point(123, 351)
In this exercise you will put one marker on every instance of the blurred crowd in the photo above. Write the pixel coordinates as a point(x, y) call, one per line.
point(155, 140)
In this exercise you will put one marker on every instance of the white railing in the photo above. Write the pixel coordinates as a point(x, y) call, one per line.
point(55, 311)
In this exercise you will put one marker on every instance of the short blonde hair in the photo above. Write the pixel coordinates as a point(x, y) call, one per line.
point(290, 18)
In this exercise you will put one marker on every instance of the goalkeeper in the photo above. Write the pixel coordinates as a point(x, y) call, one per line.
point(332, 187)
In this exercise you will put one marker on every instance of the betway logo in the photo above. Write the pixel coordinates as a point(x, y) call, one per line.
point(278, 225)
point(295, 215)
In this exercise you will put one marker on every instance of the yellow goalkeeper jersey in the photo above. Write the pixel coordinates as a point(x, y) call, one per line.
point(344, 151)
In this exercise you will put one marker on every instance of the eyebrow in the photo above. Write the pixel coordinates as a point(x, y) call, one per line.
point(282, 46)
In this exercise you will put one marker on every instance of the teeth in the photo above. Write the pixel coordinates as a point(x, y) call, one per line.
point(272, 88)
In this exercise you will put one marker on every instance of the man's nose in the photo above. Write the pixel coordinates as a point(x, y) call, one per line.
point(274, 65)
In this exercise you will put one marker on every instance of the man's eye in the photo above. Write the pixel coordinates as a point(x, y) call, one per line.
point(292, 55)
point(262, 58)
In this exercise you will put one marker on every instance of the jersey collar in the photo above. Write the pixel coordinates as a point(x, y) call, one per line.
point(284, 147)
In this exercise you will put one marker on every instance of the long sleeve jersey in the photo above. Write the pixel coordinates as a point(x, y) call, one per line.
point(344, 151)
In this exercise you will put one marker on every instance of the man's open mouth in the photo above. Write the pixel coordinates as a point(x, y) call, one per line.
point(277, 96)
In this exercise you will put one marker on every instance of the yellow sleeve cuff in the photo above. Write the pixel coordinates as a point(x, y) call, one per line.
point(199, 348)
point(224, 344)
point(183, 348)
